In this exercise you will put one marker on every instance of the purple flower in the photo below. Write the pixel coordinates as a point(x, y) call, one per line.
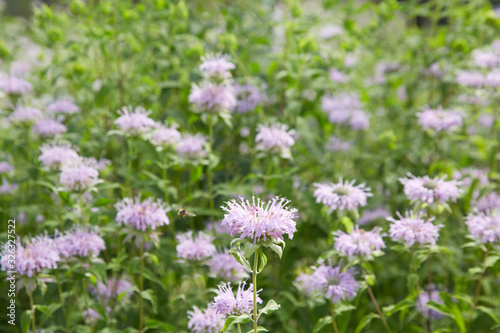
point(166, 136)
point(484, 227)
point(212, 97)
point(488, 203)
point(38, 253)
point(334, 284)
point(336, 144)
point(197, 247)
point(470, 79)
point(227, 304)
point(141, 215)
point(78, 174)
point(423, 298)
point(25, 114)
point(428, 189)
point(218, 228)
point(358, 242)
point(439, 119)
point(91, 316)
point(217, 66)
point(339, 107)
point(258, 220)
point(436, 70)
point(467, 175)
point(55, 154)
point(275, 138)
point(493, 78)
point(330, 31)
point(192, 146)
point(224, 266)
point(49, 127)
point(208, 321)
point(15, 85)
point(413, 229)
point(112, 288)
point(342, 195)
point(485, 59)
point(337, 76)
point(373, 214)
point(80, 241)
point(247, 97)
point(134, 121)
point(5, 167)
point(486, 120)
point(7, 188)
point(63, 106)
point(307, 283)
point(359, 120)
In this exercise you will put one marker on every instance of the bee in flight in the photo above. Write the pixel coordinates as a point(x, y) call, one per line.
point(183, 212)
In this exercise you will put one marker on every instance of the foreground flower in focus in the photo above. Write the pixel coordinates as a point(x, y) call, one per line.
point(413, 229)
point(38, 253)
point(78, 174)
point(227, 304)
point(134, 121)
point(359, 242)
point(56, 154)
point(197, 247)
point(342, 195)
point(208, 321)
point(259, 221)
point(141, 215)
point(429, 190)
point(275, 139)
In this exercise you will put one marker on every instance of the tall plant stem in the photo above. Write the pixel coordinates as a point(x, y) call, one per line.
point(429, 280)
point(478, 288)
point(59, 289)
point(129, 164)
point(374, 300)
point(239, 328)
point(414, 269)
point(254, 276)
point(209, 169)
point(86, 299)
point(33, 321)
point(141, 287)
point(334, 322)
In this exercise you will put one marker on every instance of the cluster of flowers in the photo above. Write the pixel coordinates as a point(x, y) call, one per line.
point(345, 108)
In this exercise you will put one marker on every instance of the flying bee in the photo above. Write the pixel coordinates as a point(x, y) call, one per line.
point(183, 212)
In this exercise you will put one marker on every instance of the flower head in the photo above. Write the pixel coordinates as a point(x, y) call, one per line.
point(78, 174)
point(7, 188)
point(38, 253)
point(337, 76)
point(62, 106)
point(428, 189)
point(488, 203)
point(5, 167)
point(26, 114)
point(15, 85)
point(134, 121)
point(484, 227)
point(359, 242)
point(225, 266)
point(212, 97)
point(56, 154)
point(80, 241)
point(336, 144)
point(166, 136)
point(423, 298)
point(247, 97)
point(413, 229)
point(49, 127)
point(193, 247)
point(142, 215)
point(275, 138)
point(470, 79)
point(217, 66)
point(208, 321)
point(342, 195)
point(227, 304)
point(373, 214)
point(258, 220)
point(112, 288)
point(192, 146)
point(439, 119)
point(334, 284)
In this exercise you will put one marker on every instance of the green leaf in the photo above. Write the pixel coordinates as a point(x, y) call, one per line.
point(392, 309)
point(25, 321)
point(102, 202)
point(240, 258)
point(490, 312)
point(153, 257)
point(262, 261)
point(346, 221)
point(159, 325)
point(277, 249)
point(271, 306)
point(259, 329)
point(491, 260)
point(250, 249)
point(365, 321)
point(243, 319)
point(65, 197)
point(149, 295)
point(322, 322)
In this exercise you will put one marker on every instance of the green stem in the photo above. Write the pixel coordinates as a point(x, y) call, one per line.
point(254, 277)
point(209, 170)
point(478, 288)
point(129, 164)
point(374, 300)
point(334, 322)
point(141, 286)
point(239, 328)
point(59, 289)
point(32, 311)
point(85, 298)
